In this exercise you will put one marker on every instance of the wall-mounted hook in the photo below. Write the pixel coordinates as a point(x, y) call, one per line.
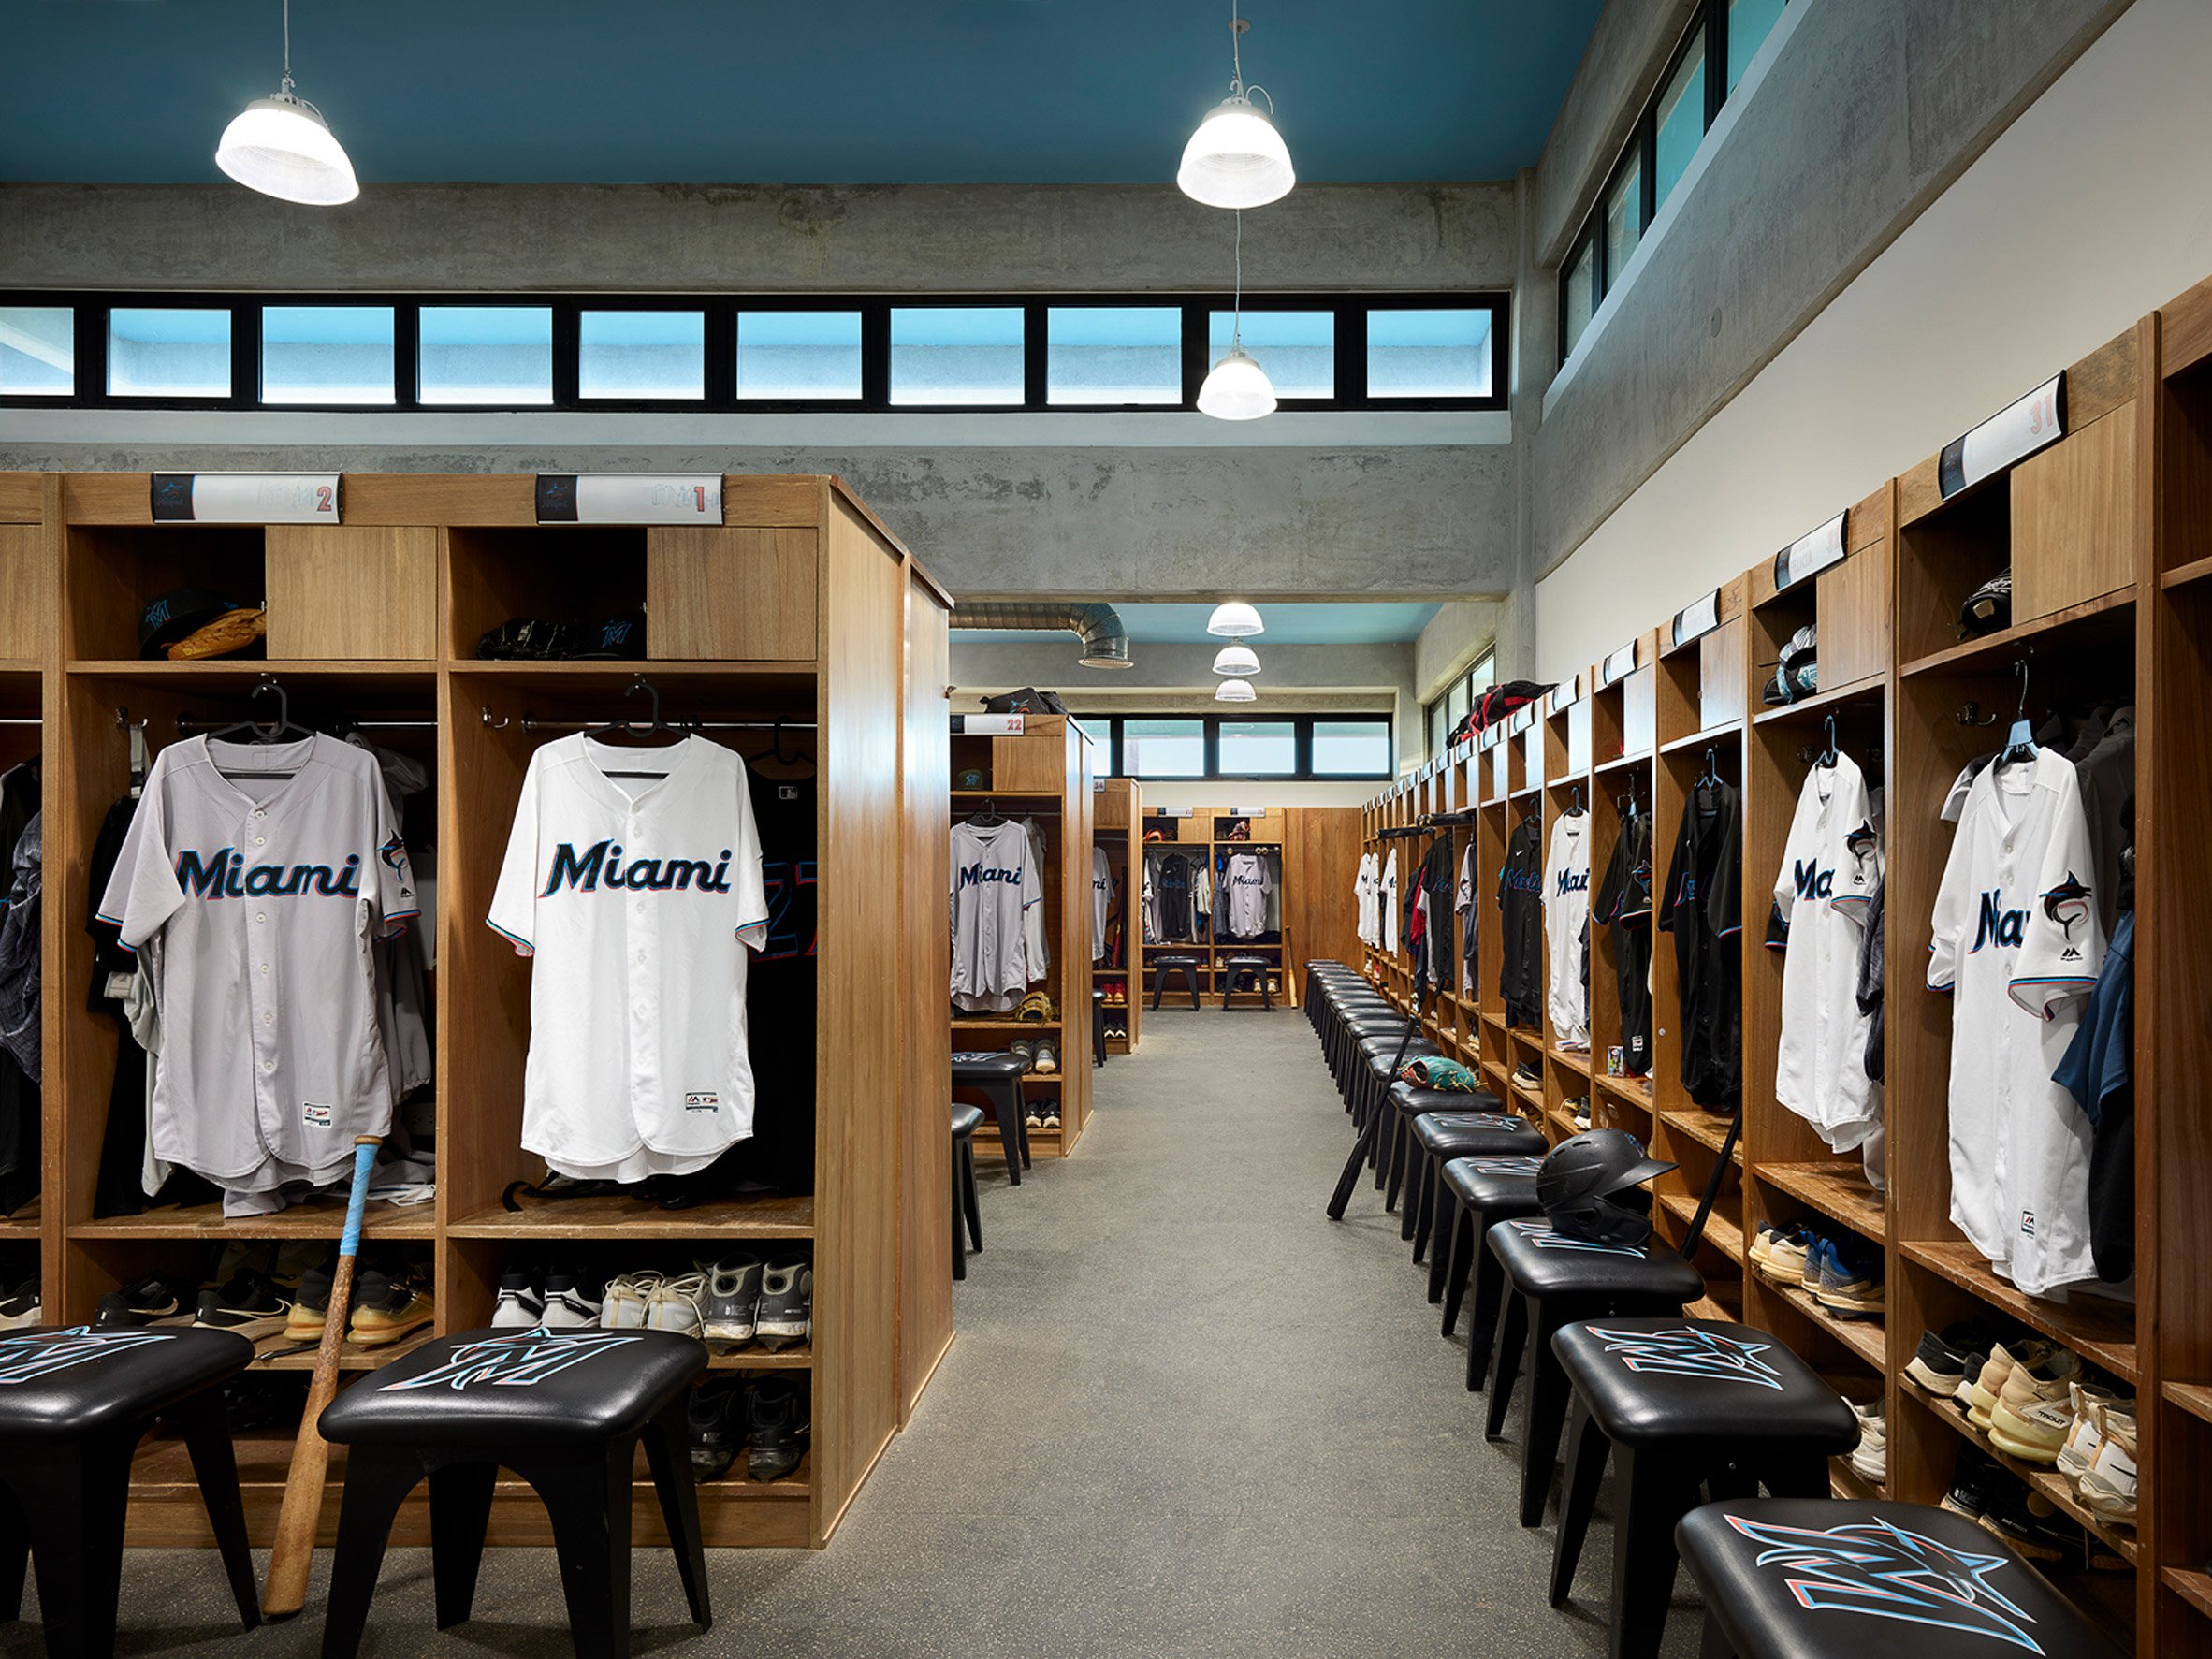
point(498, 725)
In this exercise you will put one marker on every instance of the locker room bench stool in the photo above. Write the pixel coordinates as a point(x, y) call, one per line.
point(1484, 1191)
point(1255, 968)
point(563, 1409)
point(1376, 1070)
point(967, 1212)
point(1798, 1579)
point(998, 1077)
point(1346, 1025)
point(1552, 1280)
point(1097, 1027)
point(1164, 965)
point(1677, 1404)
point(77, 1403)
point(1407, 1103)
point(1473, 1126)
point(1319, 976)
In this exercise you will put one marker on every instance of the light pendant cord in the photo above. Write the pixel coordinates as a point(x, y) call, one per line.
point(1236, 316)
point(1236, 55)
point(288, 4)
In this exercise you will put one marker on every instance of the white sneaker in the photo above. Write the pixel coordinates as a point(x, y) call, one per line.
point(624, 1308)
point(2109, 1487)
point(1870, 1459)
point(519, 1306)
point(567, 1308)
point(677, 1304)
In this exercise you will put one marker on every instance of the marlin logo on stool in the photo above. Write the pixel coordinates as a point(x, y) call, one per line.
point(1688, 1351)
point(1885, 1571)
point(520, 1360)
point(1544, 1236)
point(41, 1353)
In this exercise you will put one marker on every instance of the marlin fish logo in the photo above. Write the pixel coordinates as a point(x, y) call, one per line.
point(2066, 904)
point(1886, 1572)
point(1544, 1236)
point(1859, 843)
point(41, 1353)
point(521, 1360)
point(1689, 1351)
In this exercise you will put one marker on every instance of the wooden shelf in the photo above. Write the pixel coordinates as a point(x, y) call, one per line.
point(759, 1358)
point(1820, 703)
point(611, 1215)
point(599, 669)
point(1010, 1023)
point(1720, 1232)
point(2181, 575)
point(2193, 1587)
point(1009, 794)
point(1709, 1130)
point(321, 1217)
point(1840, 1191)
point(281, 1353)
point(1568, 1058)
point(1991, 650)
point(1865, 1338)
point(1712, 738)
point(1635, 1091)
point(1846, 1482)
point(1621, 762)
point(2102, 1332)
point(2046, 1482)
point(2193, 1398)
point(1530, 1093)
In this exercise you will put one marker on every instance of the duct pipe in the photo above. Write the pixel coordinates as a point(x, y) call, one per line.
point(1105, 641)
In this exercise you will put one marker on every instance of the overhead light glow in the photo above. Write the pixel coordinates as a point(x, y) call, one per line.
point(1236, 158)
point(1234, 620)
point(282, 147)
point(1237, 388)
point(1235, 690)
point(1238, 660)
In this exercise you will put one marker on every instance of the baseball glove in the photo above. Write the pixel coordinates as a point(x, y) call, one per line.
point(233, 631)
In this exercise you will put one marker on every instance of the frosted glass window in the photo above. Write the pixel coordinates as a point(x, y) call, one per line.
point(641, 354)
point(1296, 348)
point(38, 351)
point(1750, 22)
point(327, 354)
point(486, 354)
point(168, 353)
point(798, 355)
point(1259, 748)
point(1428, 353)
point(1114, 354)
point(956, 353)
point(1582, 300)
point(1163, 749)
point(1681, 118)
point(1354, 749)
point(1625, 221)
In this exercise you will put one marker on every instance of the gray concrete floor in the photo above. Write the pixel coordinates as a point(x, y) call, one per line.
point(1184, 1415)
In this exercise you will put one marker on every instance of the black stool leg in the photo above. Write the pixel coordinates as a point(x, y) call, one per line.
point(959, 1240)
point(15, 1556)
point(378, 1482)
point(1506, 1363)
point(588, 1496)
point(1190, 978)
point(1159, 984)
point(1021, 1116)
point(1587, 1451)
point(1005, 1109)
point(1796, 1476)
point(1548, 1392)
point(668, 1454)
point(215, 1464)
point(1483, 1322)
point(967, 1193)
point(1715, 1643)
point(1443, 1227)
point(1659, 1492)
point(460, 1509)
point(1455, 1274)
point(73, 1496)
point(1267, 999)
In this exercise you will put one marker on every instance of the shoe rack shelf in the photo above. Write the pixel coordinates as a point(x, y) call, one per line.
point(1117, 829)
point(2107, 533)
point(799, 606)
point(1046, 771)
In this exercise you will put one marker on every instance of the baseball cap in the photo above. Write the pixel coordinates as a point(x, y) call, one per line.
point(177, 613)
point(622, 636)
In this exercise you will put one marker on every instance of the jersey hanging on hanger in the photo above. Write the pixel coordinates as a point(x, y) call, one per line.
point(998, 916)
point(1701, 906)
point(1520, 947)
point(1566, 914)
point(1623, 902)
point(1389, 896)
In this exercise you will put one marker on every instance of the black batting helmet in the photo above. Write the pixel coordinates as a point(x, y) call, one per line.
point(1588, 1187)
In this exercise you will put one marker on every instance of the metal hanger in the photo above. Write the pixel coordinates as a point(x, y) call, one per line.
point(1575, 808)
point(2019, 744)
point(989, 818)
point(655, 727)
point(273, 732)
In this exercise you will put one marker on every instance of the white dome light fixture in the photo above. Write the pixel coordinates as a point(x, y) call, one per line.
point(1237, 387)
point(1236, 158)
point(1235, 690)
point(1234, 620)
point(1238, 660)
point(282, 147)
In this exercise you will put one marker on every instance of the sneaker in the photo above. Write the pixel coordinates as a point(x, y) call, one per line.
point(1819, 1252)
point(786, 1316)
point(2034, 1409)
point(715, 1420)
point(1762, 1243)
point(1026, 1048)
point(568, 1306)
point(2031, 1523)
point(677, 1304)
point(20, 1308)
point(733, 1299)
point(1048, 1057)
point(247, 1303)
point(624, 1307)
point(311, 1306)
point(1983, 1392)
point(777, 1427)
point(1052, 1113)
point(1787, 1249)
point(138, 1305)
point(1972, 1480)
point(1939, 1364)
point(1850, 1285)
point(389, 1305)
point(1032, 1114)
point(1578, 1110)
point(1870, 1459)
point(519, 1306)
point(2108, 1489)
point(1527, 1075)
point(2078, 1455)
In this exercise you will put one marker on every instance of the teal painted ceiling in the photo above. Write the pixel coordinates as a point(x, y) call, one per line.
point(1289, 622)
point(742, 91)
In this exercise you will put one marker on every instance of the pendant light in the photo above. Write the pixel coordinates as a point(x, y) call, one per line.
point(1236, 158)
point(1237, 388)
point(1238, 660)
point(1235, 690)
point(1234, 620)
point(282, 147)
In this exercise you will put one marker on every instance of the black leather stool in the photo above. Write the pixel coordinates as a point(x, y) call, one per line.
point(1466, 1130)
point(965, 1210)
point(563, 1409)
point(1097, 1027)
point(1255, 968)
point(1163, 965)
point(1344, 1033)
point(1375, 1069)
point(1554, 1279)
point(1678, 1403)
point(998, 1077)
point(74, 1404)
point(1828, 1578)
point(1484, 1192)
point(1406, 1103)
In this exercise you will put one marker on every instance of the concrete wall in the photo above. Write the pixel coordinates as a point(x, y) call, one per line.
point(1458, 633)
point(1619, 68)
point(2085, 213)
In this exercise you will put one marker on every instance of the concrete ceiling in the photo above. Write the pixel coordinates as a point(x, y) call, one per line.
point(1301, 622)
point(740, 91)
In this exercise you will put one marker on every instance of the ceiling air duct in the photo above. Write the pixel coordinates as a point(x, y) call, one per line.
point(1105, 641)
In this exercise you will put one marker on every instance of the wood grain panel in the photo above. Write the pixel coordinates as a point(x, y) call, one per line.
point(1870, 519)
point(743, 595)
point(2102, 381)
point(21, 497)
point(1853, 603)
point(351, 592)
point(1036, 760)
point(2077, 524)
point(787, 500)
point(26, 614)
point(438, 498)
point(2185, 327)
point(1321, 848)
point(1720, 675)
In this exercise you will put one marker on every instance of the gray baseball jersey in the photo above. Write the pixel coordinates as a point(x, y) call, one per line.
point(256, 897)
point(998, 915)
point(1248, 880)
point(1101, 899)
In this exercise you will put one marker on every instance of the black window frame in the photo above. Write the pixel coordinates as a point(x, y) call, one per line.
point(1462, 681)
point(1301, 740)
point(89, 332)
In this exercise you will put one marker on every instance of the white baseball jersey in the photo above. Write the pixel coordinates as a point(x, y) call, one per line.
point(1101, 900)
point(1566, 914)
point(1830, 867)
point(1365, 881)
point(1463, 905)
point(1248, 882)
point(998, 915)
point(639, 898)
point(1387, 904)
point(256, 878)
point(2018, 940)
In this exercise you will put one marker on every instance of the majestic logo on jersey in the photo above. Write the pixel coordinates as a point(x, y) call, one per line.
point(1544, 1236)
point(228, 876)
point(1885, 1571)
point(980, 875)
point(1998, 925)
point(1688, 1351)
point(1574, 881)
point(2066, 904)
point(600, 864)
point(522, 1360)
point(1812, 881)
point(28, 1358)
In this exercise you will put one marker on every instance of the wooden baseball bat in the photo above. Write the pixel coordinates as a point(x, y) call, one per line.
point(286, 1590)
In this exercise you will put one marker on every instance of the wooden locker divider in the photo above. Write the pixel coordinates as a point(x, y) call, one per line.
point(1119, 829)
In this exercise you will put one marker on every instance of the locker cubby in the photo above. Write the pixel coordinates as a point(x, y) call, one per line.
point(115, 571)
point(580, 575)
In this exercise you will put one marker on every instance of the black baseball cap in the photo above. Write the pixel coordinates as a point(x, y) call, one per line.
point(179, 612)
point(622, 636)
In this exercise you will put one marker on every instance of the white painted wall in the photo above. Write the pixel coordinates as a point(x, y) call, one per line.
point(2092, 210)
point(1246, 792)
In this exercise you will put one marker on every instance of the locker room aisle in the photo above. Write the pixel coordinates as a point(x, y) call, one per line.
point(1183, 1413)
